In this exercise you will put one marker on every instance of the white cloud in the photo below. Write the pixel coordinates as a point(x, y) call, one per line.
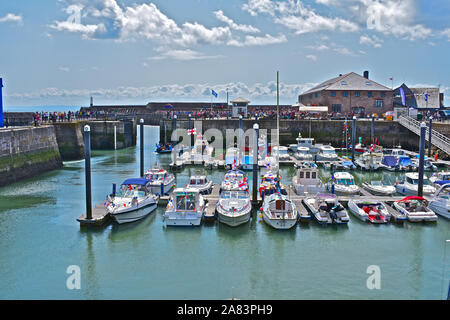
point(64, 69)
point(371, 41)
point(11, 17)
point(312, 57)
point(187, 54)
point(446, 33)
point(258, 41)
point(344, 51)
point(319, 47)
point(239, 27)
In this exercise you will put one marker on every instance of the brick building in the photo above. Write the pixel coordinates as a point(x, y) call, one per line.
point(350, 93)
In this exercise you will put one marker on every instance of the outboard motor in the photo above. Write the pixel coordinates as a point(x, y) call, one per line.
point(333, 214)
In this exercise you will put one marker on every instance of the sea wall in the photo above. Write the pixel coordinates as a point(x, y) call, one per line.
point(27, 152)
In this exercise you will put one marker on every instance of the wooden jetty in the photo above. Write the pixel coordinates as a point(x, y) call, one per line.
point(212, 200)
point(99, 216)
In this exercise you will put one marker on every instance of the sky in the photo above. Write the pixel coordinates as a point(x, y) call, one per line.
point(61, 52)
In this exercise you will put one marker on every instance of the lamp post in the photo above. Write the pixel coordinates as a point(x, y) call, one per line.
point(141, 143)
point(353, 138)
point(423, 128)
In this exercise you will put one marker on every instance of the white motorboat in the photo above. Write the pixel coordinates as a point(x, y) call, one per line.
point(161, 182)
point(200, 153)
point(133, 202)
point(281, 152)
point(326, 209)
point(440, 178)
point(343, 184)
point(427, 164)
point(235, 180)
point(370, 161)
point(186, 207)
point(200, 183)
point(279, 211)
point(369, 211)
point(404, 163)
point(379, 188)
point(234, 207)
point(440, 203)
point(303, 153)
point(307, 182)
point(410, 185)
point(308, 143)
point(327, 153)
point(415, 209)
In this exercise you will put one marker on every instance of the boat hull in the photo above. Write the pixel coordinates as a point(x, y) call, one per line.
point(134, 215)
point(233, 221)
point(279, 224)
point(182, 220)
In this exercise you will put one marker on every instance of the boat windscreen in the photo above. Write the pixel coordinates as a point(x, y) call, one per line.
point(404, 161)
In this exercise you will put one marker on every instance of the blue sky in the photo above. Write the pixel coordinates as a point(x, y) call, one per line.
point(62, 52)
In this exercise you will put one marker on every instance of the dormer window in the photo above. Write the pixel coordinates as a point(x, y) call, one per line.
point(368, 83)
point(344, 83)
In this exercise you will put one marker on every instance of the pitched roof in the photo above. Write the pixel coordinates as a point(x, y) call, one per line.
point(240, 100)
point(349, 81)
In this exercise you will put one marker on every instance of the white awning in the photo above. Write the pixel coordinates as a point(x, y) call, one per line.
point(313, 109)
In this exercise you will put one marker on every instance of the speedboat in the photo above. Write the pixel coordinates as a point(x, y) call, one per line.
point(370, 161)
point(410, 186)
point(164, 148)
point(281, 152)
point(427, 164)
point(404, 163)
point(370, 211)
point(234, 207)
point(279, 211)
point(133, 202)
point(390, 163)
point(303, 153)
point(327, 153)
point(307, 182)
point(326, 209)
point(186, 207)
point(379, 188)
point(440, 178)
point(161, 182)
point(415, 208)
point(343, 184)
point(235, 180)
point(200, 183)
point(440, 202)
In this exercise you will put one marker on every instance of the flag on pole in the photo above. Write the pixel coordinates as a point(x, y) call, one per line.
point(426, 97)
point(192, 131)
point(391, 79)
point(214, 93)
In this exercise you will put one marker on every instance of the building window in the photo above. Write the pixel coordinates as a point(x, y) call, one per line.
point(357, 94)
point(369, 94)
point(345, 94)
point(379, 103)
point(383, 94)
point(317, 94)
point(336, 108)
point(333, 93)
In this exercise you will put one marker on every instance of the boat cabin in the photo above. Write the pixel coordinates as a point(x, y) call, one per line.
point(327, 150)
point(344, 178)
point(413, 178)
point(198, 181)
point(305, 142)
point(307, 176)
point(185, 199)
point(156, 174)
point(131, 188)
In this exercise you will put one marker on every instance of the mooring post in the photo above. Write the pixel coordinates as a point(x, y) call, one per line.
point(189, 128)
point(141, 143)
point(372, 130)
point(255, 162)
point(423, 128)
point(115, 137)
point(430, 131)
point(174, 127)
point(114, 189)
point(87, 170)
point(240, 146)
point(353, 138)
point(162, 188)
point(1, 103)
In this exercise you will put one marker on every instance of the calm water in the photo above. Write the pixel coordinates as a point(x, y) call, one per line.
point(40, 238)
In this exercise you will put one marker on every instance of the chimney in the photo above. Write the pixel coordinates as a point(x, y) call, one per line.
point(340, 74)
point(366, 74)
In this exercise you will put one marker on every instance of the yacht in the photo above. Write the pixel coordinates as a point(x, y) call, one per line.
point(303, 153)
point(234, 207)
point(343, 183)
point(279, 211)
point(440, 203)
point(327, 153)
point(235, 180)
point(186, 207)
point(370, 161)
point(326, 209)
point(415, 209)
point(161, 182)
point(133, 202)
point(379, 188)
point(369, 211)
point(410, 185)
point(307, 182)
point(200, 183)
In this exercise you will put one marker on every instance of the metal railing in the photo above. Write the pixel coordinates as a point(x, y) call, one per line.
point(437, 139)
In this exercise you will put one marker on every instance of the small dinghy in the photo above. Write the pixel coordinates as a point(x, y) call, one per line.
point(326, 209)
point(415, 209)
point(378, 188)
point(369, 211)
point(164, 148)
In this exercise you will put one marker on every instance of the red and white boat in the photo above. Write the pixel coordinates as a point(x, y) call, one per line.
point(415, 209)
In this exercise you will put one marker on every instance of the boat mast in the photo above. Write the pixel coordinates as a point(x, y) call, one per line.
point(278, 122)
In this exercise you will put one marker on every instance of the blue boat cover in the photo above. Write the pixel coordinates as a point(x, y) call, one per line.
point(136, 181)
point(404, 161)
point(442, 182)
point(389, 161)
point(347, 163)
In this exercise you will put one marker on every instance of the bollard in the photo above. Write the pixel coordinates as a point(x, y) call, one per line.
point(162, 188)
point(141, 143)
point(353, 138)
point(114, 189)
point(87, 169)
point(1, 103)
point(255, 162)
point(423, 128)
point(430, 131)
point(372, 130)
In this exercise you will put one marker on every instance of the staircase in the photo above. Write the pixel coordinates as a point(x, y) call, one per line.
point(437, 139)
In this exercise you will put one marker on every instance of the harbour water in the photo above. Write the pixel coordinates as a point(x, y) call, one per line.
point(40, 238)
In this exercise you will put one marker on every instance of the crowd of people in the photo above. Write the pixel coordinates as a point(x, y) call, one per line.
point(49, 117)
